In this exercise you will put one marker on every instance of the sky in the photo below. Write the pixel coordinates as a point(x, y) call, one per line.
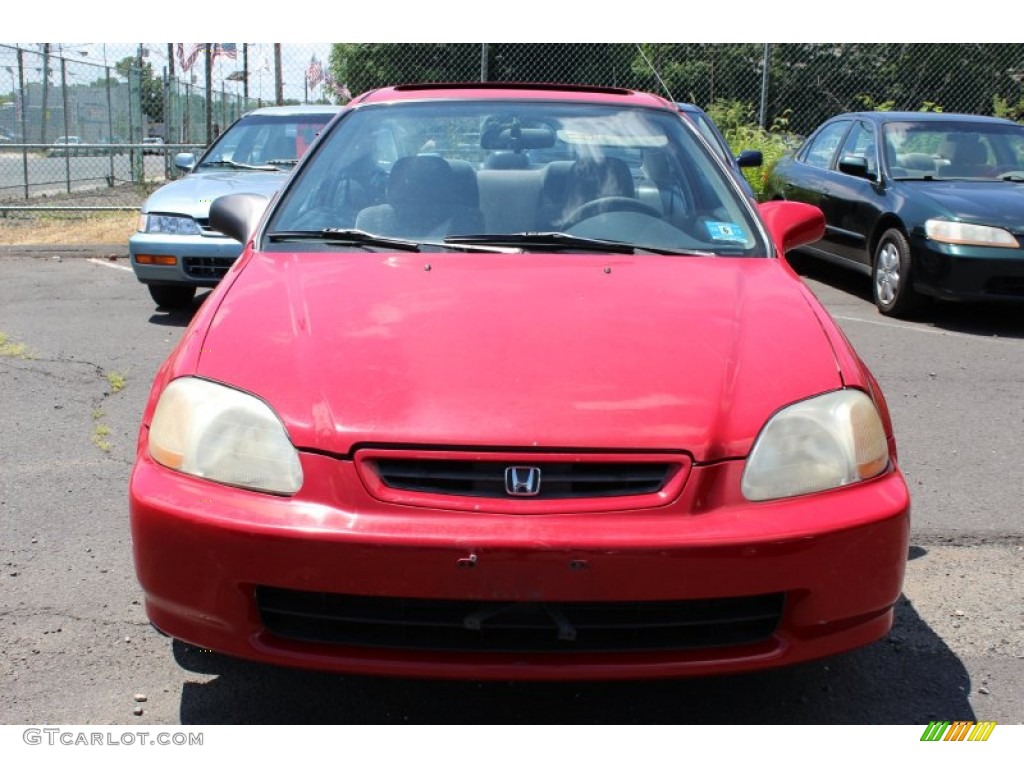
point(295, 57)
point(114, 33)
point(534, 21)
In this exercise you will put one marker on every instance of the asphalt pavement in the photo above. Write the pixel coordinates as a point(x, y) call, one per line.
point(75, 646)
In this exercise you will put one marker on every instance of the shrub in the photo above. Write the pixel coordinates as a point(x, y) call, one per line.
point(738, 122)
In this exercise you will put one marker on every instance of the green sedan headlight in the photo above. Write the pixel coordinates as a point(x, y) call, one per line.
point(164, 224)
point(817, 444)
point(958, 233)
point(221, 434)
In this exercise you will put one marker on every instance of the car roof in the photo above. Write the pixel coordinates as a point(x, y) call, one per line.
point(684, 106)
point(501, 91)
point(923, 117)
point(294, 110)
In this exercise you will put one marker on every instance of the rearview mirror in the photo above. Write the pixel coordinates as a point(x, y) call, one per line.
point(792, 224)
point(185, 161)
point(237, 215)
point(517, 138)
point(750, 158)
point(854, 165)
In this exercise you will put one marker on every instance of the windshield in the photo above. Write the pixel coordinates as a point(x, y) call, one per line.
point(954, 150)
point(504, 173)
point(256, 140)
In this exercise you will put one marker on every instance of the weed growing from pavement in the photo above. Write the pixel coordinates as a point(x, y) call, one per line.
point(99, 437)
point(101, 431)
point(116, 381)
point(9, 348)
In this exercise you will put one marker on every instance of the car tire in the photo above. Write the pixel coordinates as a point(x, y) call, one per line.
point(892, 276)
point(172, 296)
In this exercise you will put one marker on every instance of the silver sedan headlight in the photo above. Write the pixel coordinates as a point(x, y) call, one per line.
point(958, 233)
point(221, 434)
point(166, 224)
point(817, 444)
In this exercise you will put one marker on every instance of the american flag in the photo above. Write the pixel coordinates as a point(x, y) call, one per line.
point(314, 72)
point(340, 89)
point(224, 49)
point(188, 53)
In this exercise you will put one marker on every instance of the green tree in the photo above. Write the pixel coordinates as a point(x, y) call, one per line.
point(362, 66)
point(152, 87)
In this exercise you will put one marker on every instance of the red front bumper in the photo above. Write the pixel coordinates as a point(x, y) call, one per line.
point(202, 549)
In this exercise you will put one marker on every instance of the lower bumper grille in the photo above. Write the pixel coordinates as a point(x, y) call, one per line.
point(1005, 285)
point(207, 267)
point(455, 625)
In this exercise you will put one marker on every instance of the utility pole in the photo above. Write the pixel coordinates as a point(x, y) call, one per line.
point(46, 83)
point(764, 85)
point(245, 75)
point(278, 84)
point(207, 48)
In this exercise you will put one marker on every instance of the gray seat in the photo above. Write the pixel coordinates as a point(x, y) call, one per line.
point(425, 198)
point(586, 180)
point(506, 159)
point(967, 157)
point(279, 147)
point(671, 200)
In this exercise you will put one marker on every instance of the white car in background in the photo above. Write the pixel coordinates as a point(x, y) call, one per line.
point(174, 251)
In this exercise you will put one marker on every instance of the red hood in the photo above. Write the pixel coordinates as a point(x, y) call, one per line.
point(519, 351)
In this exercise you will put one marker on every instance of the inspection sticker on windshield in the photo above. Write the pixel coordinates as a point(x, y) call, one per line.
point(726, 231)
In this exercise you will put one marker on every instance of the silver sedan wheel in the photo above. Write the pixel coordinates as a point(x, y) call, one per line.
point(887, 273)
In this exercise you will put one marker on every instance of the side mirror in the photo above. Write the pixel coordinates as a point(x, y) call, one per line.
point(792, 224)
point(185, 161)
point(750, 158)
point(855, 166)
point(237, 215)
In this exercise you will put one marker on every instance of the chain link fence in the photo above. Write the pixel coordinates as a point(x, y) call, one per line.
point(76, 134)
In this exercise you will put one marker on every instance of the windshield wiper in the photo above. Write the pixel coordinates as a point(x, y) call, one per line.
point(344, 237)
point(562, 240)
point(282, 161)
point(360, 237)
point(245, 166)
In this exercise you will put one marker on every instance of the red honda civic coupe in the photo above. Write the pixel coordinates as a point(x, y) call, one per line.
point(514, 382)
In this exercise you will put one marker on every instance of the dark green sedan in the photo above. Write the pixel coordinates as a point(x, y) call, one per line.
point(930, 205)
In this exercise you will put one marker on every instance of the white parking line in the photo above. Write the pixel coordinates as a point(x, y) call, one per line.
point(103, 263)
point(918, 329)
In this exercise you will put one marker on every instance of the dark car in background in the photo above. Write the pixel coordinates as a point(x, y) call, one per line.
point(174, 251)
point(927, 204)
point(748, 158)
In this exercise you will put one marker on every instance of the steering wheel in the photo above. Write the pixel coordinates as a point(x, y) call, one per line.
point(608, 205)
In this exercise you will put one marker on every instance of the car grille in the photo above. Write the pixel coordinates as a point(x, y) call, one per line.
point(207, 267)
point(559, 480)
point(456, 625)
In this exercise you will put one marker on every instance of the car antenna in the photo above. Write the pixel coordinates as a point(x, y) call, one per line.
point(648, 61)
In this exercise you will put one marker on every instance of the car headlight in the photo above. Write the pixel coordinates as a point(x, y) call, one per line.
point(958, 233)
point(825, 442)
point(162, 223)
point(221, 434)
